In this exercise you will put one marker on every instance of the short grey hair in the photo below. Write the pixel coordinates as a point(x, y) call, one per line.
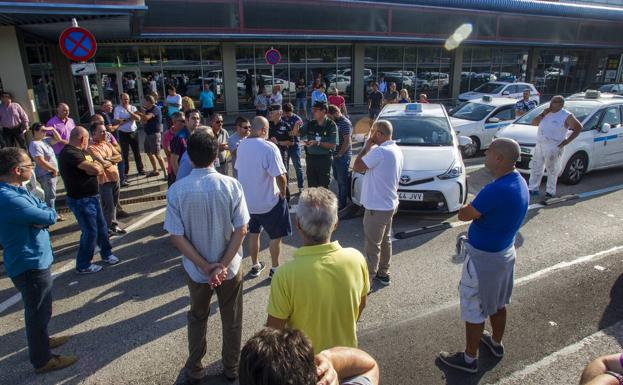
point(316, 213)
point(384, 127)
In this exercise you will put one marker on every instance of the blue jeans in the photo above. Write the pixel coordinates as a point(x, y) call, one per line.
point(48, 185)
point(294, 153)
point(90, 217)
point(340, 173)
point(36, 289)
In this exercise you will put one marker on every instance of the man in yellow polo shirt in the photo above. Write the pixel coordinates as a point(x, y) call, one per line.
point(323, 290)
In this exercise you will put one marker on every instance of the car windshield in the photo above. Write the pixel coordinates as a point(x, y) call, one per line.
point(606, 88)
point(471, 111)
point(421, 131)
point(490, 88)
point(581, 109)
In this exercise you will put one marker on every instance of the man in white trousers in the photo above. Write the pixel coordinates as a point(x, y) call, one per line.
point(554, 123)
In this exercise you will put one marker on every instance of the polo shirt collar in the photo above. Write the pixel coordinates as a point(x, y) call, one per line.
point(317, 249)
point(203, 170)
point(388, 143)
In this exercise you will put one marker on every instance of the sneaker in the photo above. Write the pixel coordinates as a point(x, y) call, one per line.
point(93, 268)
point(111, 260)
point(142, 172)
point(55, 342)
point(57, 362)
point(273, 270)
point(124, 184)
point(153, 174)
point(535, 193)
point(383, 279)
point(548, 195)
point(496, 350)
point(117, 230)
point(457, 361)
point(257, 270)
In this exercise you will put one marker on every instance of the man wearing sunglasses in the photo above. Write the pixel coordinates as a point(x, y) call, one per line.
point(554, 123)
point(242, 131)
point(222, 137)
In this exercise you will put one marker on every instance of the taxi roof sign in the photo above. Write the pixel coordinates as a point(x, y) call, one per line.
point(487, 98)
point(413, 108)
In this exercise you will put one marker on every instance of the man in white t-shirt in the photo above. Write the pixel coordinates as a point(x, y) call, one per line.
point(263, 177)
point(126, 116)
point(382, 166)
point(554, 123)
point(276, 97)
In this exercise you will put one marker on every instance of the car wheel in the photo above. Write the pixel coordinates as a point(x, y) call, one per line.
point(471, 149)
point(575, 169)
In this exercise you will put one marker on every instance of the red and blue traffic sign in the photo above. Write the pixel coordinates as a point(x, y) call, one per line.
point(272, 56)
point(77, 43)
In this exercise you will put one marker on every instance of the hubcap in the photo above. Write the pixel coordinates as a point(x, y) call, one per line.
point(469, 150)
point(576, 169)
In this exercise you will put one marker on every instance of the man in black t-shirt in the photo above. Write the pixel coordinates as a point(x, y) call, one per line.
point(279, 132)
point(79, 172)
point(375, 101)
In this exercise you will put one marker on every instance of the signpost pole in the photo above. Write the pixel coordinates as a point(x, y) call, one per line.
point(273, 71)
point(85, 82)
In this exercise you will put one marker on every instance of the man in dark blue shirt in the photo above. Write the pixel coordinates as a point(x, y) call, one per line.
point(525, 104)
point(486, 285)
point(28, 256)
point(343, 154)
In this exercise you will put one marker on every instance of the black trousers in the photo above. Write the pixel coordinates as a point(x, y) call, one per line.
point(127, 140)
point(318, 170)
point(13, 137)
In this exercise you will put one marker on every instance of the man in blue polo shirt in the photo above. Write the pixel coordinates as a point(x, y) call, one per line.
point(28, 256)
point(486, 284)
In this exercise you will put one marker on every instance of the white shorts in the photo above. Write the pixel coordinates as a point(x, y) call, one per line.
point(471, 305)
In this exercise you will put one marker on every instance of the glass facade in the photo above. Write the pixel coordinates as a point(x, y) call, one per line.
point(330, 64)
point(42, 78)
point(481, 65)
point(561, 72)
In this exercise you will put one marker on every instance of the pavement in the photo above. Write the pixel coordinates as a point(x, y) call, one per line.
point(129, 321)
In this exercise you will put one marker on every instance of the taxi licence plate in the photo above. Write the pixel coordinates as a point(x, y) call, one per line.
point(407, 196)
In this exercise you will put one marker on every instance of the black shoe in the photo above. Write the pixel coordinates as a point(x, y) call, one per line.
point(117, 230)
point(124, 184)
point(383, 279)
point(255, 271)
point(457, 361)
point(548, 195)
point(496, 350)
point(272, 272)
point(142, 172)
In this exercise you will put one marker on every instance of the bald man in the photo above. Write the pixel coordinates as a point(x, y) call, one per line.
point(486, 284)
point(63, 124)
point(79, 173)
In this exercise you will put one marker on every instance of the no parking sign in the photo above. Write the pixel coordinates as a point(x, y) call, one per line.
point(77, 44)
point(272, 56)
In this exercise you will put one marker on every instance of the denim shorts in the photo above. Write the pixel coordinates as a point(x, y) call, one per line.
point(276, 222)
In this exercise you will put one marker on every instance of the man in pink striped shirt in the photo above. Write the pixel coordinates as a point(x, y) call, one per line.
point(13, 121)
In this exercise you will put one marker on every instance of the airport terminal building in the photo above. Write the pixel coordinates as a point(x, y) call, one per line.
point(144, 45)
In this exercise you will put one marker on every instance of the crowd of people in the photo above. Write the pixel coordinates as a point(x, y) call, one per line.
point(317, 297)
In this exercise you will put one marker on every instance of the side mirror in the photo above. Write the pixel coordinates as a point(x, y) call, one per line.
point(464, 141)
point(494, 120)
point(506, 93)
point(605, 128)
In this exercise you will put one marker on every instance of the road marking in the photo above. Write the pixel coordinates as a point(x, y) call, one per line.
point(518, 282)
point(516, 377)
point(474, 167)
point(69, 264)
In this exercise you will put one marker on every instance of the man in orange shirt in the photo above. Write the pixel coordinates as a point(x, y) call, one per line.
point(108, 156)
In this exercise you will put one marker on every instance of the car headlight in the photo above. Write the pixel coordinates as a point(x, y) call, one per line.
point(453, 172)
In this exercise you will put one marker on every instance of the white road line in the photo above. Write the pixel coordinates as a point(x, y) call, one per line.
point(516, 377)
point(518, 282)
point(474, 167)
point(70, 264)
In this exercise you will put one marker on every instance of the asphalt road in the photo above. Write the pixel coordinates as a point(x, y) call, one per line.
point(129, 324)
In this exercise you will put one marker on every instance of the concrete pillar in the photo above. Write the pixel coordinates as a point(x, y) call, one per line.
point(533, 61)
point(457, 66)
point(13, 73)
point(230, 81)
point(356, 78)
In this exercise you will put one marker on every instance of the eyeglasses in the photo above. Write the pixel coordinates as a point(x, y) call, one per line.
point(32, 165)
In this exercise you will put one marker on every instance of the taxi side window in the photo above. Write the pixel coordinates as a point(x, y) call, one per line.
point(592, 123)
point(505, 113)
point(612, 116)
point(511, 89)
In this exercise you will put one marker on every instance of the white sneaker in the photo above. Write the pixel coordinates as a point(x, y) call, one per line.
point(111, 260)
point(93, 268)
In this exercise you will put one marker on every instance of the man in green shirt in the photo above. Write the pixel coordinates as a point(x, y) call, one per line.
point(320, 138)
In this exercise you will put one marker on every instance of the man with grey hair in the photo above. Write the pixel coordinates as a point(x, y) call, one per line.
point(381, 160)
point(486, 283)
point(323, 290)
point(263, 177)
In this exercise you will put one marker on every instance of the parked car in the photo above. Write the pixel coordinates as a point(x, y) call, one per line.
point(615, 88)
point(498, 89)
point(433, 175)
point(480, 119)
point(599, 145)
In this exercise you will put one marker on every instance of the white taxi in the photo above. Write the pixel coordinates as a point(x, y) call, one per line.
point(493, 89)
point(599, 145)
point(433, 175)
point(480, 119)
